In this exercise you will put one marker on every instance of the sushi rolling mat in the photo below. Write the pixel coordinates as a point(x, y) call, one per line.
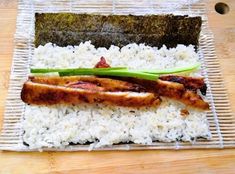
point(151, 161)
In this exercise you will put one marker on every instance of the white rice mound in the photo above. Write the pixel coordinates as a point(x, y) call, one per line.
point(104, 125)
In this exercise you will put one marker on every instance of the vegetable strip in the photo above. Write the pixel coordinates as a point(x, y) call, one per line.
point(117, 71)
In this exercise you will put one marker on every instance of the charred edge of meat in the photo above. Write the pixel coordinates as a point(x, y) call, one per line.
point(191, 83)
point(203, 89)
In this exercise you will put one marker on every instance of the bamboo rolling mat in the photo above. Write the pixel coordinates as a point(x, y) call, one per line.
point(220, 118)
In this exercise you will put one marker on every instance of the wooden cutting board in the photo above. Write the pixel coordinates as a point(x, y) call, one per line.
point(155, 161)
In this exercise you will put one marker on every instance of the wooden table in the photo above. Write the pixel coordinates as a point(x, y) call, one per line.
point(155, 161)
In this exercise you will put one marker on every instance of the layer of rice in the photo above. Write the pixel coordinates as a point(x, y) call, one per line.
point(103, 125)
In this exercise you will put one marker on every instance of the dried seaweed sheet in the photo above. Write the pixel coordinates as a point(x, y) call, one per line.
point(103, 31)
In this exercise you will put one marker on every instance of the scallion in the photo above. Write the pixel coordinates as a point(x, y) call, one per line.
point(117, 71)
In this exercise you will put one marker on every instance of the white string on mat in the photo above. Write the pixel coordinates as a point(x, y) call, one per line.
point(70, 5)
point(114, 6)
point(24, 48)
point(189, 7)
point(209, 93)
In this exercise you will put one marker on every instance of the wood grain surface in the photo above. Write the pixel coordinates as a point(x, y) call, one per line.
point(154, 161)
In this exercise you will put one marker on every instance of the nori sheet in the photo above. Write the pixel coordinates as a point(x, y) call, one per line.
point(103, 31)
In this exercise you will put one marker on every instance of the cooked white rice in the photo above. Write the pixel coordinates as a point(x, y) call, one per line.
point(103, 125)
point(132, 56)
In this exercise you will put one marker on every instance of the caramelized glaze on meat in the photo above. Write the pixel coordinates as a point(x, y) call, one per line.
point(44, 94)
point(107, 84)
point(172, 90)
point(91, 89)
point(191, 83)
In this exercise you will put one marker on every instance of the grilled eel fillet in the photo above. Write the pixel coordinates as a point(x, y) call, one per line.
point(47, 94)
point(106, 86)
point(178, 91)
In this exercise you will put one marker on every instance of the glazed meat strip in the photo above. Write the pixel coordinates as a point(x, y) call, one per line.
point(179, 92)
point(104, 84)
point(191, 83)
point(172, 90)
point(94, 84)
point(46, 94)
